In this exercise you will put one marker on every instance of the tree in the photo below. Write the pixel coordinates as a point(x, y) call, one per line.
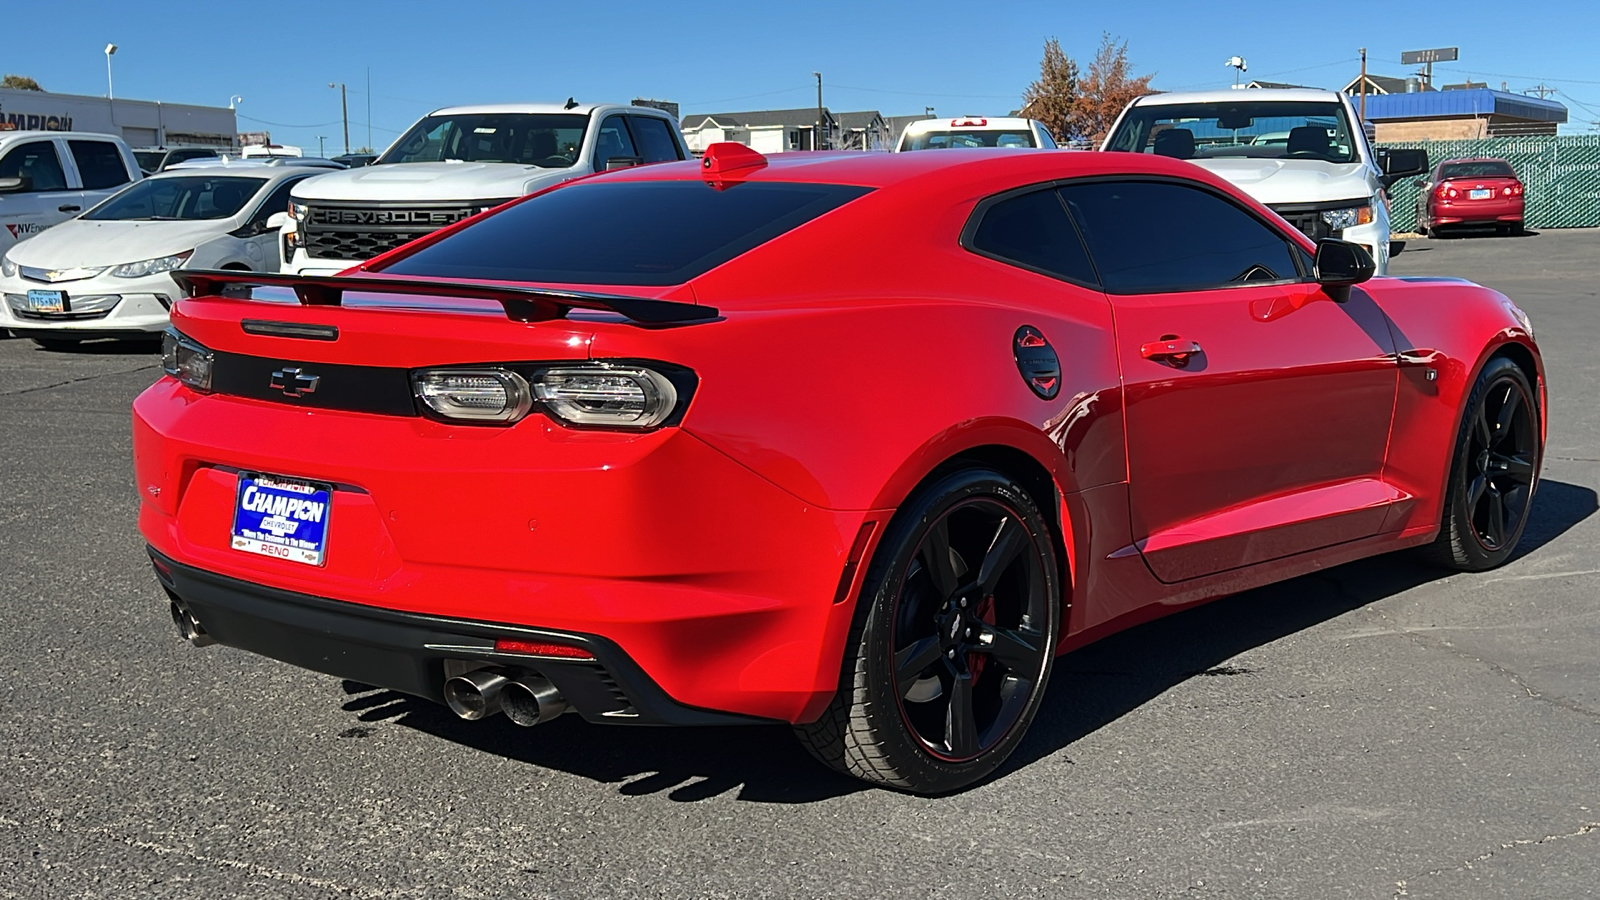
point(20, 83)
point(1053, 99)
point(1106, 91)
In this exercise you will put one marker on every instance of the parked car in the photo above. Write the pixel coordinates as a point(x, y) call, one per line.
point(1477, 191)
point(159, 159)
point(47, 177)
point(459, 162)
point(974, 131)
point(576, 455)
point(1297, 151)
point(109, 272)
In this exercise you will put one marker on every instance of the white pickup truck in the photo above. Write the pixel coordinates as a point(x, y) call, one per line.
point(1303, 153)
point(47, 177)
point(457, 162)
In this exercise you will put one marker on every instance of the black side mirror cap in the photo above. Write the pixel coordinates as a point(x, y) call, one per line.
point(1341, 264)
point(623, 162)
point(1398, 165)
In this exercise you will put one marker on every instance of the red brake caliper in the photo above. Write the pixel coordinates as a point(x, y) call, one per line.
point(976, 661)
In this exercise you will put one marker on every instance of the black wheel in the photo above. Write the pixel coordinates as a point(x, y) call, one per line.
point(1494, 474)
point(57, 343)
point(953, 640)
point(1514, 229)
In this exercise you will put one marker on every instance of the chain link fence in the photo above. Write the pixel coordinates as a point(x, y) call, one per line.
point(1562, 175)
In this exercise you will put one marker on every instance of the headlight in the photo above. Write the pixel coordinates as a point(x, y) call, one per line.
point(627, 397)
point(151, 266)
point(474, 395)
point(7, 267)
point(1349, 217)
point(298, 211)
point(186, 360)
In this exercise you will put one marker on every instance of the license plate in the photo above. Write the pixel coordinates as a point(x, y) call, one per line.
point(47, 301)
point(1480, 194)
point(282, 517)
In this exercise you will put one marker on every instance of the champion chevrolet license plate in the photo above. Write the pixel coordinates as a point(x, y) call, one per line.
point(282, 517)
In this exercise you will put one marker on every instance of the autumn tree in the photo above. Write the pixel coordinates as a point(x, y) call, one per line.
point(20, 83)
point(1053, 98)
point(1106, 91)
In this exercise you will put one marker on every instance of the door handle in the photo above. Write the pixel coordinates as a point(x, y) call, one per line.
point(68, 208)
point(1170, 349)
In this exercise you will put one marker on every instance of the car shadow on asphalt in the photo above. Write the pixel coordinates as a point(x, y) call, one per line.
point(107, 347)
point(1090, 689)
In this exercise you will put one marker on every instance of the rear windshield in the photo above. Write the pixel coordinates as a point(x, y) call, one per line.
point(637, 232)
point(946, 140)
point(1478, 168)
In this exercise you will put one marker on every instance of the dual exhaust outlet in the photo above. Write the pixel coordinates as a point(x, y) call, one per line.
point(526, 699)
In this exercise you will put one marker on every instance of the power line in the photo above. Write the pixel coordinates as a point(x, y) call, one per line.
point(927, 93)
point(746, 96)
point(1469, 72)
point(286, 124)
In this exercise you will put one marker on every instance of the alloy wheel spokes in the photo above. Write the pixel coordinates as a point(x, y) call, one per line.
point(1495, 518)
point(1009, 539)
point(960, 719)
point(913, 661)
point(1508, 414)
point(936, 557)
point(1516, 467)
point(1015, 650)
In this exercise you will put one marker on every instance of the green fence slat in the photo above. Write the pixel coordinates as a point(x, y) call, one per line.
point(1561, 173)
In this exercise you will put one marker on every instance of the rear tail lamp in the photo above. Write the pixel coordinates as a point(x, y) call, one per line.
point(185, 359)
point(625, 397)
point(474, 395)
point(1514, 190)
point(541, 648)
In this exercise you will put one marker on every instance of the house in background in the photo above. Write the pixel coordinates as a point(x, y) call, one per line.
point(1406, 109)
point(765, 131)
point(865, 130)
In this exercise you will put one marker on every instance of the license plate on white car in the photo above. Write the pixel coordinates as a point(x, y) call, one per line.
point(282, 517)
point(47, 301)
point(1480, 194)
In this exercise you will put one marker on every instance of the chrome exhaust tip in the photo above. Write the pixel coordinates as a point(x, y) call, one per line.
point(531, 699)
point(189, 627)
point(475, 695)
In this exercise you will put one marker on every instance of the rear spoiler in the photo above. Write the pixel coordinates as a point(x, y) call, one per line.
point(521, 303)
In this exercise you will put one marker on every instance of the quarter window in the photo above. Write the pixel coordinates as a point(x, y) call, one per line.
point(654, 139)
point(99, 164)
point(37, 165)
point(1150, 237)
point(1032, 230)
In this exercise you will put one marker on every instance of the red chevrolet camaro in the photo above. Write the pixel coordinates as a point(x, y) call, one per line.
point(858, 443)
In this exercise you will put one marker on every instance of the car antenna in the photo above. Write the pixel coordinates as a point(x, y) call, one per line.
point(570, 103)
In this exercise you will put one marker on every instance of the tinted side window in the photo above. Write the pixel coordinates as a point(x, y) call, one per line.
point(654, 137)
point(612, 141)
point(278, 202)
point(1149, 237)
point(1033, 231)
point(37, 164)
point(99, 164)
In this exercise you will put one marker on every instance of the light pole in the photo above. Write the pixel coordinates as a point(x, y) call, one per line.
point(1239, 66)
point(110, 49)
point(344, 110)
point(928, 111)
point(321, 154)
point(234, 101)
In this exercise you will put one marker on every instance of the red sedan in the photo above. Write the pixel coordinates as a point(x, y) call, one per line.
point(1471, 192)
point(859, 443)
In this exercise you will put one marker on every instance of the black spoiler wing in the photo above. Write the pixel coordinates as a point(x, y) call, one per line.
point(522, 304)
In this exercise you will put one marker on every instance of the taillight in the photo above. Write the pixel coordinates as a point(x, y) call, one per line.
point(622, 396)
point(185, 359)
point(541, 648)
point(473, 395)
point(1516, 189)
point(604, 395)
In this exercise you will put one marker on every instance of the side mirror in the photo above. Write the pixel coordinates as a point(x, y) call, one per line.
point(277, 220)
point(1340, 264)
point(14, 185)
point(623, 162)
point(1397, 165)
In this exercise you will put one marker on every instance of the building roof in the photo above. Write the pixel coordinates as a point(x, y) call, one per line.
point(858, 121)
point(805, 116)
point(1280, 86)
point(1463, 104)
point(1380, 84)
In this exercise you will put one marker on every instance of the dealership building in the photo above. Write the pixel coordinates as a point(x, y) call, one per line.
point(142, 123)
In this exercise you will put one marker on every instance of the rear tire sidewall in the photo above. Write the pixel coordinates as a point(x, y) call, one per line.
point(1458, 543)
point(923, 772)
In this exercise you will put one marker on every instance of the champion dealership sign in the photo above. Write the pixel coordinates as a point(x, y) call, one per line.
point(31, 122)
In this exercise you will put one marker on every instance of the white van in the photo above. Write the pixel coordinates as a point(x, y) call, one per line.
point(1300, 152)
point(47, 177)
point(974, 131)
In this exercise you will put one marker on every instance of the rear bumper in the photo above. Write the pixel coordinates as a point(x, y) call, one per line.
point(1468, 212)
point(410, 653)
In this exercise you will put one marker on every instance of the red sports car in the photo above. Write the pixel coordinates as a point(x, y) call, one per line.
point(1471, 192)
point(858, 443)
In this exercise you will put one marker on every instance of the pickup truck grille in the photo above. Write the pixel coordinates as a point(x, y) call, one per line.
point(354, 232)
point(1307, 222)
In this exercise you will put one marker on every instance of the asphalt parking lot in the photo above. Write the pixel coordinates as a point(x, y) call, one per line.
point(1376, 730)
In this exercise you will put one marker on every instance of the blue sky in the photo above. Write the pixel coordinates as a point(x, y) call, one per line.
point(714, 55)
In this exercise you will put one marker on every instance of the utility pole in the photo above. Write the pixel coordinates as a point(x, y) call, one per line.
point(320, 151)
point(344, 110)
point(1363, 85)
point(816, 136)
point(369, 108)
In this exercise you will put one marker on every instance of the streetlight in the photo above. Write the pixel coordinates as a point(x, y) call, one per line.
point(928, 111)
point(344, 109)
point(234, 101)
point(1239, 66)
point(321, 154)
point(110, 49)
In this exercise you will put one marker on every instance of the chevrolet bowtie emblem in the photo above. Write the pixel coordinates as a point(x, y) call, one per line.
point(293, 382)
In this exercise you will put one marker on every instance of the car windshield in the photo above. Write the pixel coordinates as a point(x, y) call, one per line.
point(1261, 129)
point(188, 197)
point(1477, 168)
point(547, 140)
point(149, 160)
point(945, 140)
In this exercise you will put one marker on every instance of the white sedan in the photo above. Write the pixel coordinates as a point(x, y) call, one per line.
point(106, 272)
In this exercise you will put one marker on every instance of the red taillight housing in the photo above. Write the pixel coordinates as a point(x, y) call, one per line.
point(1444, 190)
point(540, 648)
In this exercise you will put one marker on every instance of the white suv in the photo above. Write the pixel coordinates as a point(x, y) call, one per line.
point(974, 131)
point(47, 177)
point(460, 161)
point(1300, 152)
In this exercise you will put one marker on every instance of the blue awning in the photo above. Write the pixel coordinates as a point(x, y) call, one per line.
point(1463, 104)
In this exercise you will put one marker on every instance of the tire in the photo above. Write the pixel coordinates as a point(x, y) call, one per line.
point(945, 665)
point(57, 343)
point(1493, 474)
